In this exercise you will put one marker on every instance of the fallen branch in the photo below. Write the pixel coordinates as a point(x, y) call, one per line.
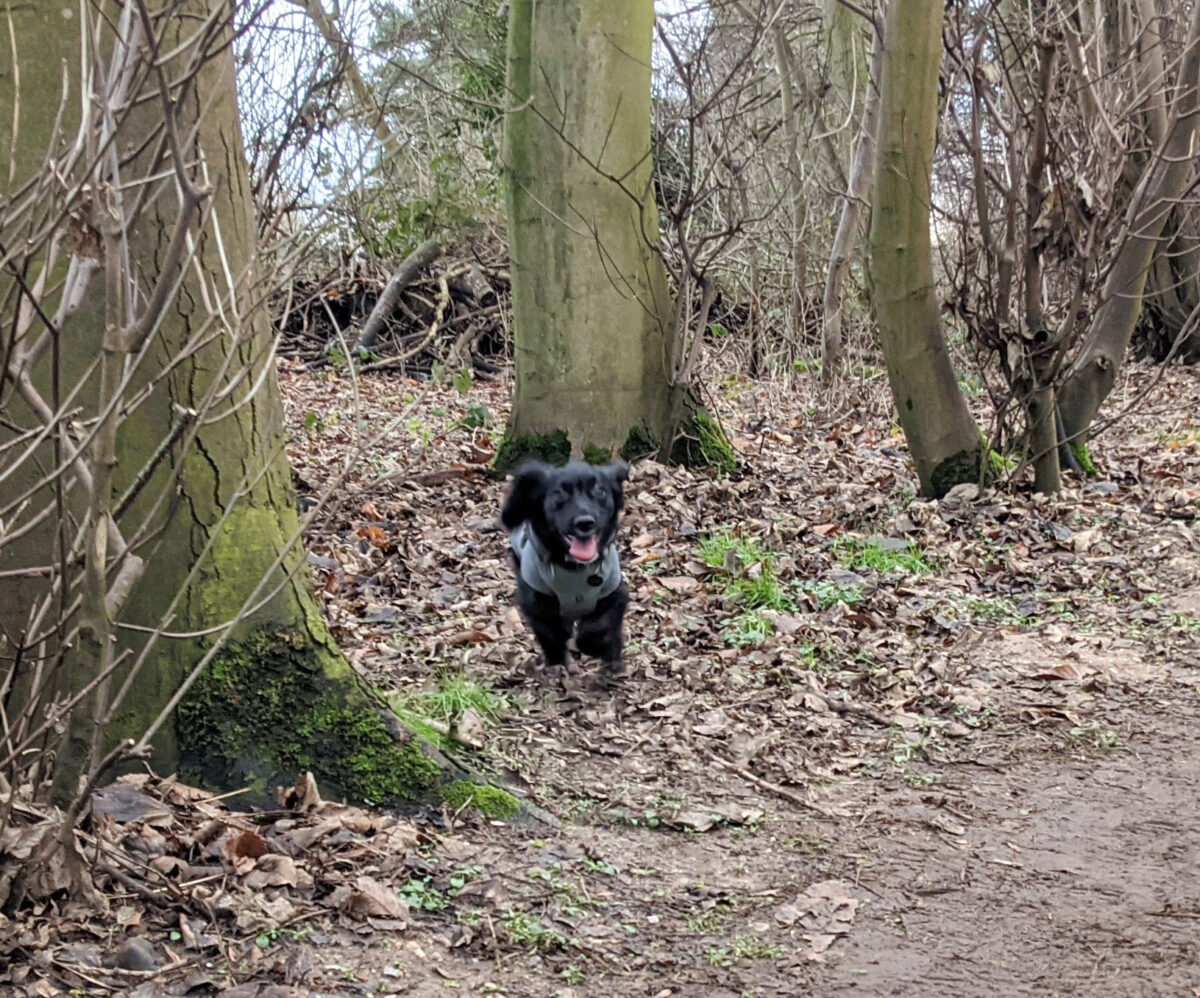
point(405, 274)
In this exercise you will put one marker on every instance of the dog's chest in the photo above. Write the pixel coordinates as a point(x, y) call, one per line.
point(578, 589)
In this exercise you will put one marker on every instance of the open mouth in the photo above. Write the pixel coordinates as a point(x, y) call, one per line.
point(583, 549)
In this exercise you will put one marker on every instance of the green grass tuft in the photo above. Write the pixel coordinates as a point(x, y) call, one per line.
point(429, 712)
point(746, 572)
point(855, 553)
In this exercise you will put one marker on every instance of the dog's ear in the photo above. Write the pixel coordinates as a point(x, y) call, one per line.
point(617, 474)
point(528, 485)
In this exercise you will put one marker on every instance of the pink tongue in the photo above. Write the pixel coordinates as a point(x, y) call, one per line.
point(583, 550)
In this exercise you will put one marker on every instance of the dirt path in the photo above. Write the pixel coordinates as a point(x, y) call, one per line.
point(1070, 878)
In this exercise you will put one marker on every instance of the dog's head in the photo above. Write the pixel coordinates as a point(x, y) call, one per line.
point(572, 510)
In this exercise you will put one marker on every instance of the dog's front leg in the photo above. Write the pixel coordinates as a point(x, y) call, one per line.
point(600, 633)
point(551, 631)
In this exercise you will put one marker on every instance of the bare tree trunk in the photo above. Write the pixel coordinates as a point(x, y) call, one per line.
point(1040, 349)
point(858, 196)
point(791, 131)
point(945, 444)
point(1095, 368)
point(593, 322)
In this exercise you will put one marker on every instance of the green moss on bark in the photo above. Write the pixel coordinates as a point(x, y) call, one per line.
point(492, 801)
point(955, 470)
point(553, 447)
point(597, 455)
point(274, 706)
point(702, 444)
point(1079, 451)
point(639, 443)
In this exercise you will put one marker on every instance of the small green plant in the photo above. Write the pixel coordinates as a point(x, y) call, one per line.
point(829, 594)
point(420, 431)
point(880, 556)
point(578, 808)
point(907, 750)
point(477, 416)
point(711, 920)
point(999, 464)
point(715, 551)
point(746, 630)
point(971, 386)
point(488, 800)
point(997, 609)
point(572, 974)
point(749, 948)
point(525, 929)
point(1185, 622)
point(453, 695)
point(746, 571)
point(463, 381)
point(1095, 735)
point(761, 592)
point(1083, 458)
point(811, 846)
point(419, 893)
point(268, 937)
point(593, 454)
point(718, 956)
point(1179, 439)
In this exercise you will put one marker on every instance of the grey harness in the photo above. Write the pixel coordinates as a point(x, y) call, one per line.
point(578, 589)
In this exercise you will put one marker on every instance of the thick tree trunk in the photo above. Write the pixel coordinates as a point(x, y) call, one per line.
point(593, 323)
point(942, 438)
point(188, 528)
point(1095, 368)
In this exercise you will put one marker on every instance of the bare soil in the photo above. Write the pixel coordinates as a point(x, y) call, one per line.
point(973, 774)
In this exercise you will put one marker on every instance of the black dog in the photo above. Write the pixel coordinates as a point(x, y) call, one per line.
point(561, 524)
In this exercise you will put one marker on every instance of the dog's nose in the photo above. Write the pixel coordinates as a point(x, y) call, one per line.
point(584, 524)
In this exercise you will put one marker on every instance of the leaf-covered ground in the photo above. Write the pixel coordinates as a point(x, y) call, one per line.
point(873, 744)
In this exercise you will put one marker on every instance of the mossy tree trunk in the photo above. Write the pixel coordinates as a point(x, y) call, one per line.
point(593, 322)
point(944, 442)
point(194, 499)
